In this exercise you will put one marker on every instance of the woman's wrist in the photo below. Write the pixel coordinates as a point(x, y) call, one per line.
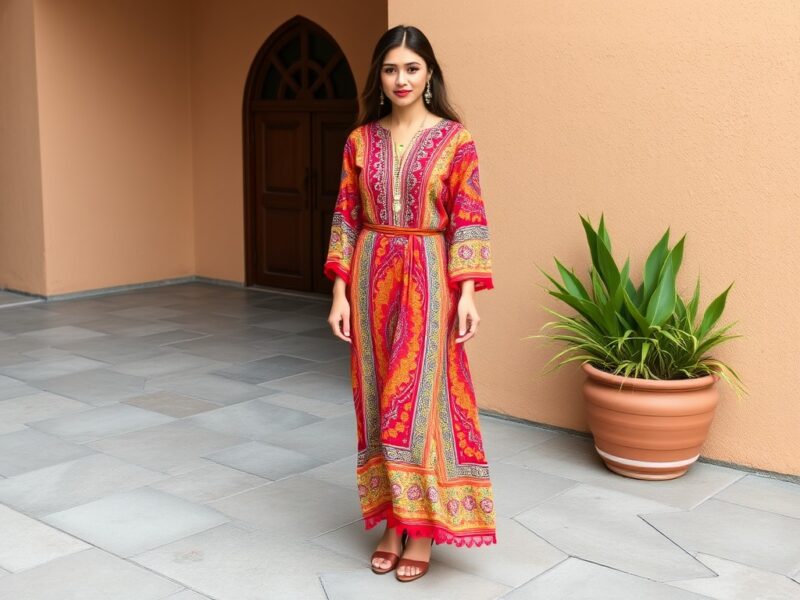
point(467, 287)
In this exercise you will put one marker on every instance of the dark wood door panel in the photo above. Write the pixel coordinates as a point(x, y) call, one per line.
point(283, 217)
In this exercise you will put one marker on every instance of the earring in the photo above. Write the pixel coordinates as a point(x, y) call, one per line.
point(428, 94)
point(381, 97)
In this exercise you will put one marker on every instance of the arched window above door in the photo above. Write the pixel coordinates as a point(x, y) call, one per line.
point(304, 63)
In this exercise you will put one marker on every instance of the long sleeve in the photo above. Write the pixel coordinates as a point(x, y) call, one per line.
point(467, 233)
point(346, 222)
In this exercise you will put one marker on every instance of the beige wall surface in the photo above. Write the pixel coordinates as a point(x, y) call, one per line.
point(22, 264)
point(225, 39)
point(113, 80)
point(674, 114)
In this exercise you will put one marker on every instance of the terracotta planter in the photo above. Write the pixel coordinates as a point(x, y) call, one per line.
point(649, 429)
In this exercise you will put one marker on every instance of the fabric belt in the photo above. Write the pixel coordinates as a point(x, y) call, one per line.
point(395, 230)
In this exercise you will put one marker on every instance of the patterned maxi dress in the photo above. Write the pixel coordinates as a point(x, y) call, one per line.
point(421, 463)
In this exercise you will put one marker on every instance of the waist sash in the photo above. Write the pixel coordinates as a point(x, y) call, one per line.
point(396, 230)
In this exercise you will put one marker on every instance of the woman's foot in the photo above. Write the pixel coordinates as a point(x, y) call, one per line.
point(390, 542)
point(418, 549)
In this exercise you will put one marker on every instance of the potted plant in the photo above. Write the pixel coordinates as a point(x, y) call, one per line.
point(651, 386)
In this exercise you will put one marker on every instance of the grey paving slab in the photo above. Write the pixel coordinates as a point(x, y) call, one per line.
point(326, 440)
point(578, 579)
point(293, 323)
point(148, 329)
point(36, 407)
point(318, 386)
point(59, 335)
point(171, 448)
point(228, 563)
point(221, 349)
point(36, 370)
point(47, 352)
point(340, 367)
point(264, 460)
point(88, 575)
point(113, 349)
point(308, 348)
point(98, 387)
point(574, 457)
point(288, 303)
point(68, 484)
point(26, 542)
point(340, 472)
point(735, 581)
point(517, 489)
point(439, 583)
point(254, 419)
point(12, 299)
point(149, 312)
point(167, 362)
point(107, 324)
point(187, 595)
point(296, 506)
point(98, 423)
point(763, 493)
point(604, 526)
point(14, 388)
point(128, 523)
point(745, 535)
point(205, 322)
point(11, 349)
point(171, 336)
point(503, 438)
point(209, 482)
point(266, 369)
point(28, 450)
point(172, 404)
point(323, 332)
point(207, 386)
point(319, 408)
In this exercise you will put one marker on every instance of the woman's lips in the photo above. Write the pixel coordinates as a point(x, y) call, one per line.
point(402, 92)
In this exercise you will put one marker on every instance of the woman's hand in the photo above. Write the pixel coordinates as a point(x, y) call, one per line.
point(468, 318)
point(339, 318)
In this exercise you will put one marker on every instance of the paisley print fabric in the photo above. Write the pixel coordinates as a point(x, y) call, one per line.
point(421, 463)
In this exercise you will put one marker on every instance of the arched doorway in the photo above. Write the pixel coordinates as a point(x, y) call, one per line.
point(300, 104)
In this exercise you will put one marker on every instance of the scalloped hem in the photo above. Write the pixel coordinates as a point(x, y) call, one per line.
point(439, 534)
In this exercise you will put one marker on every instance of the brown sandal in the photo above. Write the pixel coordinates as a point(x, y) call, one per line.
point(390, 556)
point(410, 562)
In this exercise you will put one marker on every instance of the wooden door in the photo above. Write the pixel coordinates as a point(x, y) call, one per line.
point(298, 163)
point(300, 104)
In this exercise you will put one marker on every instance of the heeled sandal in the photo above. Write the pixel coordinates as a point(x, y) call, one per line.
point(390, 556)
point(410, 562)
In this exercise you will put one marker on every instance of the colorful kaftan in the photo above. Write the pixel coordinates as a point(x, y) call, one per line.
point(421, 463)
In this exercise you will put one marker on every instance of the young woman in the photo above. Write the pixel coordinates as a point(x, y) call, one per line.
point(409, 248)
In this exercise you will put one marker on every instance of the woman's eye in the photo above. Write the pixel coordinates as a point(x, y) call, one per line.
point(413, 69)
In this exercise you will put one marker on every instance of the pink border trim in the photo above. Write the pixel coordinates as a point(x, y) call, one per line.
point(439, 534)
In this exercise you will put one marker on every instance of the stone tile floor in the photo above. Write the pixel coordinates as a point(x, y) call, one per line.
point(196, 441)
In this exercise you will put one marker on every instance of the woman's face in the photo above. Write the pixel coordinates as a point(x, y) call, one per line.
point(403, 70)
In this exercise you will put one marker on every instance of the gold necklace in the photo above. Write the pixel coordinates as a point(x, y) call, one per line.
point(398, 159)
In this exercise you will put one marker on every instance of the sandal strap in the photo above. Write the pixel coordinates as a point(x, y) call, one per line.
point(384, 554)
point(410, 562)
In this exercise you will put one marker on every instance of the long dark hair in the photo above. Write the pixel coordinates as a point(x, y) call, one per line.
point(414, 40)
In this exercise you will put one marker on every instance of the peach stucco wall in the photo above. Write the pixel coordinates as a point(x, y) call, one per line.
point(22, 263)
point(683, 114)
point(113, 82)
